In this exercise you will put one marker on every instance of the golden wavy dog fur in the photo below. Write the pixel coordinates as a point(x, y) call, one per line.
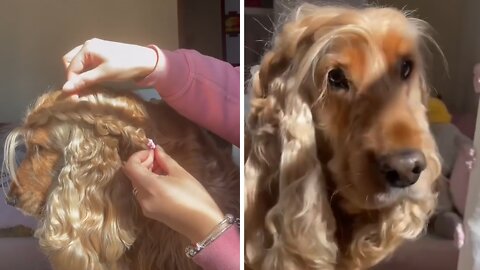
point(339, 90)
point(71, 179)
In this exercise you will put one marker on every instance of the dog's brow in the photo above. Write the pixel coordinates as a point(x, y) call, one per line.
point(39, 137)
point(396, 45)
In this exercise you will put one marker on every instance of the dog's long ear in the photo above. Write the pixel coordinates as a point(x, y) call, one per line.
point(284, 184)
point(289, 223)
point(89, 218)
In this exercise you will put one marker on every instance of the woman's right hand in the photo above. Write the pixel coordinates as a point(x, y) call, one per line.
point(169, 194)
point(98, 61)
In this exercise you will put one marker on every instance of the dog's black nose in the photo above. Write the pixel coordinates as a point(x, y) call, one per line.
point(12, 201)
point(402, 169)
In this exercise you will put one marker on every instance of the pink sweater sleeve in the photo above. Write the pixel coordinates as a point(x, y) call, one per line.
point(206, 91)
point(222, 254)
point(201, 88)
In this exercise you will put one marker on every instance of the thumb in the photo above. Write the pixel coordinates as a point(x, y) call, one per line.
point(85, 79)
point(137, 168)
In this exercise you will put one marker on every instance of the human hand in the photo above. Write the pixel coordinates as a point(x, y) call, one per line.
point(169, 194)
point(98, 61)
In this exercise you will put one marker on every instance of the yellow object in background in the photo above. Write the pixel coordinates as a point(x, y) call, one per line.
point(437, 112)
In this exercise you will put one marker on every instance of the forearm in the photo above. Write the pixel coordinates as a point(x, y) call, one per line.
point(203, 89)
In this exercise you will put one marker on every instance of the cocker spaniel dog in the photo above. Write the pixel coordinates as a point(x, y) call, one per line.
point(71, 179)
point(340, 166)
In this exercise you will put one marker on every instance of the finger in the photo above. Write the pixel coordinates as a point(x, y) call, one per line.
point(148, 162)
point(166, 163)
point(139, 156)
point(86, 79)
point(77, 63)
point(137, 174)
point(67, 58)
point(75, 97)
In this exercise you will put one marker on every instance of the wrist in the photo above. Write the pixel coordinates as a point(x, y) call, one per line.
point(204, 225)
point(222, 227)
point(148, 59)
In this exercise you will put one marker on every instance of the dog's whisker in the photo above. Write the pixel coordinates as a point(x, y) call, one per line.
point(272, 22)
point(263, 26)
point(252, 50)
point(338, 190)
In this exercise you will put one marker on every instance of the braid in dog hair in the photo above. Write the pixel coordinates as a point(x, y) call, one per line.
point(100, 118)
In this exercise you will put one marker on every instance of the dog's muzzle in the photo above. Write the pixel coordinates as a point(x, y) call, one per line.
point(11, 201)
point(6, 188)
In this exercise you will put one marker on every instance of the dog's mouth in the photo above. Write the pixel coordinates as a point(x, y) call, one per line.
point(379, 195)
point(12, 201)
point(391, 196)
point(387, 179)
point(394, 195)
point(6, 184)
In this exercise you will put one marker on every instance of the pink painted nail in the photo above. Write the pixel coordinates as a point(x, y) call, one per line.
point(151, 145)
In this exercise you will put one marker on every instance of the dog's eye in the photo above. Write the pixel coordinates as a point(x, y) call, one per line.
point(406, 66)
point(337, 79)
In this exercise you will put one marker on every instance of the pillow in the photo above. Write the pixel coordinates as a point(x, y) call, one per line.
point(437, 112)
point(449, 140)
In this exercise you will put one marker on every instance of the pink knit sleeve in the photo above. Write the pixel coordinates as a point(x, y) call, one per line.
point(222, 254)
point(201, 88)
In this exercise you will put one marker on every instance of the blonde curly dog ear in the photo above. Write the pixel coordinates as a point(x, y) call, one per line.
point(86, 210)
point(282, 168)
point(282, 172)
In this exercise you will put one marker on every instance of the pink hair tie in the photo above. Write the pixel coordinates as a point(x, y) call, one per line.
point(151, 144)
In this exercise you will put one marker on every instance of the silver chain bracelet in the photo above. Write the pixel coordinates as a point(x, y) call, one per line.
point(224, 225)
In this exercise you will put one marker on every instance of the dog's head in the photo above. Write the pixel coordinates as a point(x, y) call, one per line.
point(70, 175)
point(356, 76)
point(341, 164)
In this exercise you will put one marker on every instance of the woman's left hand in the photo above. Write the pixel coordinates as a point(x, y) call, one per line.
point(97, 61)
point(169, 194)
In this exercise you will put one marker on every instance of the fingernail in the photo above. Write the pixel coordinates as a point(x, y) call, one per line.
point(150, 144)
point(69, 86)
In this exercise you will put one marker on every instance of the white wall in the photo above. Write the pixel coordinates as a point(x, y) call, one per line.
point(201, 26)
point(35, 35)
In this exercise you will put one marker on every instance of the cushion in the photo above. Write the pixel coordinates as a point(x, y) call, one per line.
point(449, 140)
point(437, 111)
